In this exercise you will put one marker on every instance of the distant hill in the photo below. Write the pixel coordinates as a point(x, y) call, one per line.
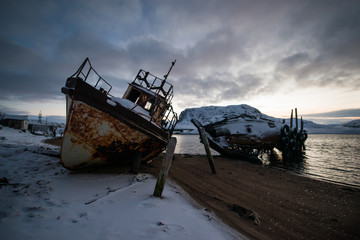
point(210, 114)
point(352, 124)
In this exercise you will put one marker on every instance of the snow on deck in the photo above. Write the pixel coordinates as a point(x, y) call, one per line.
point(39, 199)
point(131, 106)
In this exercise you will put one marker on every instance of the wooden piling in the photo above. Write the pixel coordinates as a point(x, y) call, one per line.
point(205, 141)
point(164, 170)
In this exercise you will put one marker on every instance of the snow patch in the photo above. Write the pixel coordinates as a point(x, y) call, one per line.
point(39, 199)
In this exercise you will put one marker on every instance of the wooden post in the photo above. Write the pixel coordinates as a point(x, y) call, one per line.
point(205, 141)
point(164, 170)
point(291, 119)
point(296, 119)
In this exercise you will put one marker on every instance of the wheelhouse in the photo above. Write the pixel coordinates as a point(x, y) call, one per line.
point(154, 95)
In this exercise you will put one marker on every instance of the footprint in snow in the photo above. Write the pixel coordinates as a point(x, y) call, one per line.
point(140, 178)
point(169, 227)
point(148, 205)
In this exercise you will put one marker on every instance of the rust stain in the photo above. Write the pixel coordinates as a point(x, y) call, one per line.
point(95, 136)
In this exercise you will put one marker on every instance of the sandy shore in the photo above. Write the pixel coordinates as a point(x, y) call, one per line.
point(287, 206)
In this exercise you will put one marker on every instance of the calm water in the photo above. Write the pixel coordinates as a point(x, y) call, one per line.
point(331, 157)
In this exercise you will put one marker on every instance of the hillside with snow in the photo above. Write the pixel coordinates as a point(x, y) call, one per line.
point(211, 114)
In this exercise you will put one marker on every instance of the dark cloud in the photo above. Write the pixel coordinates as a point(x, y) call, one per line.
point(25, 75)
point(327, 34)
point(320, 71)
point(7, 110)
point(225, 50)
point(28, 87)
point(215, 89)
point(17, 58)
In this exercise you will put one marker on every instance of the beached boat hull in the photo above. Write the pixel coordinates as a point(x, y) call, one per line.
point(100, 131)
point(249, 136)
point(242, 137)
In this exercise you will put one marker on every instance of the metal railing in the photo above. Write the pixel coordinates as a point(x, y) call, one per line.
point(88, 74)
point(157, 86)
point(163, 89)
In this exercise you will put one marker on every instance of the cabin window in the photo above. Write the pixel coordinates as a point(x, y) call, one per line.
point(150, 105)
point(134, 95)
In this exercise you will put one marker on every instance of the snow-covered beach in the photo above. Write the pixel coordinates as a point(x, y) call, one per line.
point(40, 199)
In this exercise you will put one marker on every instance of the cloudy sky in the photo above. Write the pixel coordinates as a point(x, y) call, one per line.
point(274, 55)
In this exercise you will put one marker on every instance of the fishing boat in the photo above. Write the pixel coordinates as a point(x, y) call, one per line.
point(102, 129)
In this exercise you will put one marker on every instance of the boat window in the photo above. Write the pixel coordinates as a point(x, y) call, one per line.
point(150, 104)
point(134, 95)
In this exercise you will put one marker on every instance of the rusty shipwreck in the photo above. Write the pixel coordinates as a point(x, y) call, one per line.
point(101, 128)
point(249, 135)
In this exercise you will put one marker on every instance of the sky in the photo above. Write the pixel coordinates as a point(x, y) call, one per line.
point(273, 55)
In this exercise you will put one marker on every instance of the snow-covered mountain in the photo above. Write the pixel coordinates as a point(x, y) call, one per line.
point(211, 114)
point(352, 124)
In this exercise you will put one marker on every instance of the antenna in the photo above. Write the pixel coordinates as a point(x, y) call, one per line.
point(39, 117)
point(172, 64)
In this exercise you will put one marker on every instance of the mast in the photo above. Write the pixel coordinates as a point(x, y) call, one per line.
point(172, 64)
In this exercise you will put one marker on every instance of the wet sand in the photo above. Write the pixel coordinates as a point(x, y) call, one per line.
point(288, 206)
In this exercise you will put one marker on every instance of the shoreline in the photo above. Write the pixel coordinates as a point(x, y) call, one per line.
point(310, 176)
point(288, 205)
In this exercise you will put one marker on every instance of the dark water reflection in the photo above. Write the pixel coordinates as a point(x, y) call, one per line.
point(334, 157)
point(331, 157)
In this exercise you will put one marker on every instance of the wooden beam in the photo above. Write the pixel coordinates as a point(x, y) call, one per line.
point(164, 170)
point(205, 141)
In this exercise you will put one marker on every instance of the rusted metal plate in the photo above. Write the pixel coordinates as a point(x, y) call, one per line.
point(94, 137)
point(89, 95)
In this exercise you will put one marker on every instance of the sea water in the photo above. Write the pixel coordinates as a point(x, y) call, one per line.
point(329, 157)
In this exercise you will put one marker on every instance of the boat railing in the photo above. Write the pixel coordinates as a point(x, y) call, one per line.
point(158, 86)
point(169, 120)
point(163, 89)
point(88, 74)
point(154, 84)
